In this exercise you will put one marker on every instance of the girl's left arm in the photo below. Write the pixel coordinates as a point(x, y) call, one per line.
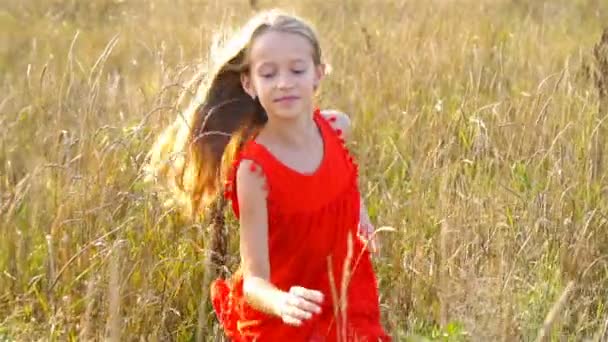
point(341, 121)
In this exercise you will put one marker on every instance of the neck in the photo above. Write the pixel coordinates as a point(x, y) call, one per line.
point(296, 132)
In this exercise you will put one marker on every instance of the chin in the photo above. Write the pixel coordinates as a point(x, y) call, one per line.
point(288, 112)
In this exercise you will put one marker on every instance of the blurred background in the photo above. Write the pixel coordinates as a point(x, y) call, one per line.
point(479, 127)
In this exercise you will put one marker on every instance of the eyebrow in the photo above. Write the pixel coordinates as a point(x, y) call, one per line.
point(293, 61)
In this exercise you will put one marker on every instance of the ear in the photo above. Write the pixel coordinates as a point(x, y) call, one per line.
point(319, 74)
point(247, 84)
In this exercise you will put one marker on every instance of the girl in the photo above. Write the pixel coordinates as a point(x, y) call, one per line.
point(305, 273)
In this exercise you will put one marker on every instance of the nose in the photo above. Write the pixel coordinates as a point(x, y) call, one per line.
point(285, 81)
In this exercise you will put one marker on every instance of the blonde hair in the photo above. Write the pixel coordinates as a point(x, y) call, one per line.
point(190, 158)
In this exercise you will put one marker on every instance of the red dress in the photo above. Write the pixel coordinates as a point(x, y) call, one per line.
point(310, 217)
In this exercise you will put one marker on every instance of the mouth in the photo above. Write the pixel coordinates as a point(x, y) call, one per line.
point(286, 98)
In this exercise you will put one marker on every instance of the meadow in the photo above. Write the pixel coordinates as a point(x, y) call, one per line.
point(479, 128)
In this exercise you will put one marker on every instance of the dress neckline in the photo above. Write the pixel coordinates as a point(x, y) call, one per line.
point(319, 168)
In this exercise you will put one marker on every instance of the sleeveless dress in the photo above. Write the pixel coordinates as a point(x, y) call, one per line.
point(310, 219)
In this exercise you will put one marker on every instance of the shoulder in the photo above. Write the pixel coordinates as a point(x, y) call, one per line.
point(338, 120)
point(251, 192)
point(251, 179)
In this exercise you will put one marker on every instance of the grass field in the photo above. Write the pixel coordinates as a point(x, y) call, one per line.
point(477, 130)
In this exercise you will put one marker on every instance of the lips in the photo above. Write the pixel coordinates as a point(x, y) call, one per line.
point(286, 98)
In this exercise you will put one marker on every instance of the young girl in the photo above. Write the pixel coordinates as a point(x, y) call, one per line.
point(305, 272)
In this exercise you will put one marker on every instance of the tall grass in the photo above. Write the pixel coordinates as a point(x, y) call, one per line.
point(477, 128)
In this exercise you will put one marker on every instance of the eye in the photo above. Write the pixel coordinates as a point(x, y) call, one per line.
point(298, 71)
point(267, 75)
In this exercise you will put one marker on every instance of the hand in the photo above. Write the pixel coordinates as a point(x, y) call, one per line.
point(299, 304)
point(366, 231)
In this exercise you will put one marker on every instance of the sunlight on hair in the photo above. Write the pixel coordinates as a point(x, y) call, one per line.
point(189, 160)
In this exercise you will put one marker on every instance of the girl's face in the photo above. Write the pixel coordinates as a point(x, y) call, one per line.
point(282, 74)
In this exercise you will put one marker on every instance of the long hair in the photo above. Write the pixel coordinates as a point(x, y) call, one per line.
point(191, 157)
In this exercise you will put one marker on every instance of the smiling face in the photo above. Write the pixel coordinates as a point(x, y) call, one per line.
point(282, 73)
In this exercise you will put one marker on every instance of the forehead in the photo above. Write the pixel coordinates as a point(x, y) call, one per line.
point(274, 46)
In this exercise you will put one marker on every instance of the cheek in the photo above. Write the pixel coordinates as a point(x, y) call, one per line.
point(263, 85)
point(310, 81)
point(311, 77)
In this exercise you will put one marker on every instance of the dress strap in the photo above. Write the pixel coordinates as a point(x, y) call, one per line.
point(334, 137)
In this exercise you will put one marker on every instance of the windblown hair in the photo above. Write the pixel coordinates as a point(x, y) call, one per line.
point(192, 156)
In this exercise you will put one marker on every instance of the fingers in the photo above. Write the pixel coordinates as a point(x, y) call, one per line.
point(296, 310)
point(366, 231)
point(309, 295)
point(378, 245)
point(370, 241)
point(373, 245)
point(300, 305)
point(305, 305)
point(292, 321)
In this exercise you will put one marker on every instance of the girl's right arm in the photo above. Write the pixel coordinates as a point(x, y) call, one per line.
point(294, 306)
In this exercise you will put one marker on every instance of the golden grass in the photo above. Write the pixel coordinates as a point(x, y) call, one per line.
point(477, 128)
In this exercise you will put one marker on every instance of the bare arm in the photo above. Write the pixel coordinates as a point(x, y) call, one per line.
point(259, 292)
point(294, 306)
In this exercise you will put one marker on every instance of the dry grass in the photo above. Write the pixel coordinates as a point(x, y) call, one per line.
point(477, 127)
